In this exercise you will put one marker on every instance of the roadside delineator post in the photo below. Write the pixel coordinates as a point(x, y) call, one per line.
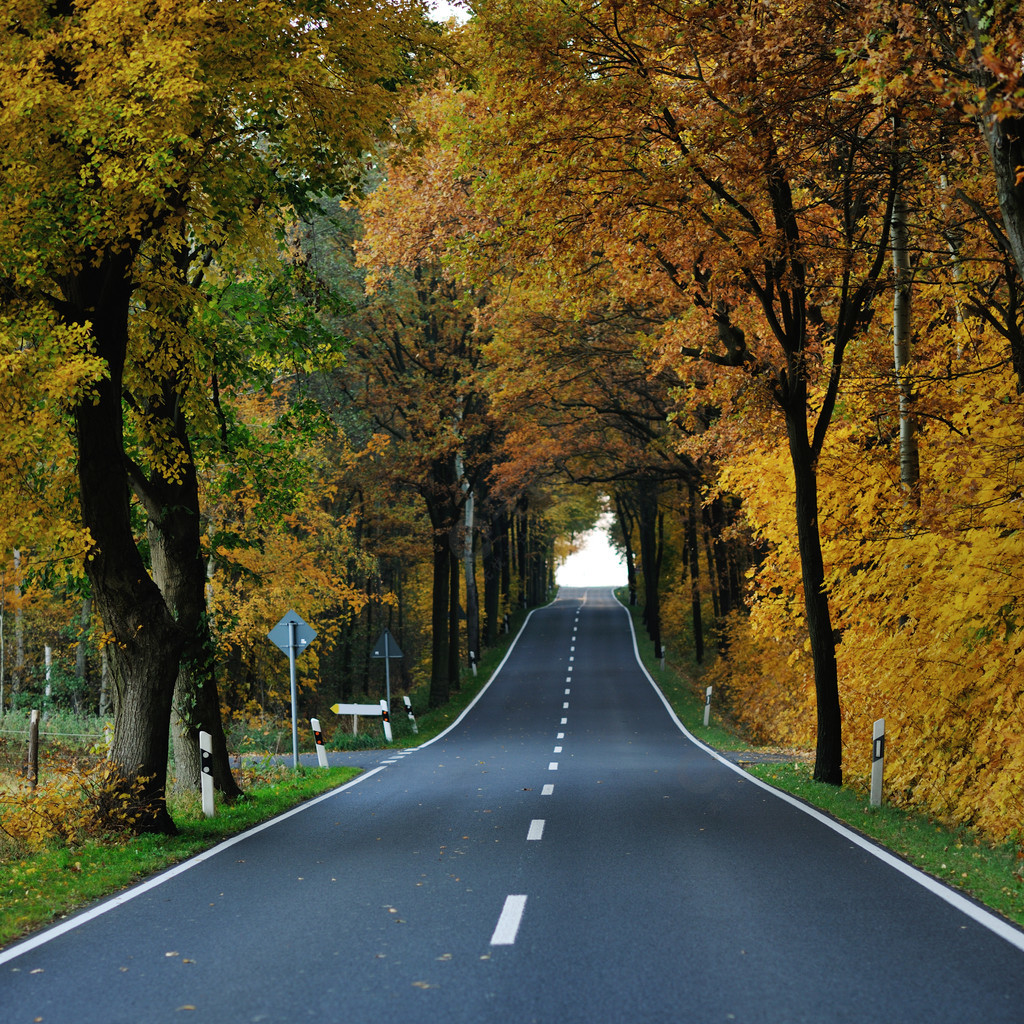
point(411, 716)
point(385, 715)
point(318, 737)
point(206, 772)
point(877, 761)
point(707, 706)
point(472, 662)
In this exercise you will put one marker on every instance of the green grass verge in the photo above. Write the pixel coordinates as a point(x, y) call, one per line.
point(39, 888)
point(988, 872)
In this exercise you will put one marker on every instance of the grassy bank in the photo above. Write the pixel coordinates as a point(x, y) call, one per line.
point(44, 886)
point(990, 873)
point(41, 887)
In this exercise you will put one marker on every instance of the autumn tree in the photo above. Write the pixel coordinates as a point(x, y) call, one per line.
point(124, 129)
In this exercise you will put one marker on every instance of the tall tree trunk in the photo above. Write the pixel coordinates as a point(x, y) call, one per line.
point(440, 689)
point(454, 614)
point(693, 545)
point(650, 561)
point(493, 569)
point(469, 572)
point(626, 522)
point(146, 641)
point(829, 751)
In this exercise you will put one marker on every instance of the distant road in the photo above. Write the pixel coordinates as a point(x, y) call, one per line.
point(564, 854)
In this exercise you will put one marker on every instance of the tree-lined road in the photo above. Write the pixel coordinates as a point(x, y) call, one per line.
point(564, 854)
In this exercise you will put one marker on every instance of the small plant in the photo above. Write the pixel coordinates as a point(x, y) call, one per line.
point(81, 802)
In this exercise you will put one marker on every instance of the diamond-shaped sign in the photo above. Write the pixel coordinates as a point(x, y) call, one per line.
point(281, 634)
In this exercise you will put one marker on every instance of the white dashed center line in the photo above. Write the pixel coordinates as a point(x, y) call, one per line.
point(508, 924)
point(536, 829)
point(553, 766)
point(547, 790)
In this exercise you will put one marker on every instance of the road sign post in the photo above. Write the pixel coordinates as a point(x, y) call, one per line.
point(386, 648)
point(292, 635)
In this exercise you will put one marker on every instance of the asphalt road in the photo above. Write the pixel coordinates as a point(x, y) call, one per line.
point(564, 854)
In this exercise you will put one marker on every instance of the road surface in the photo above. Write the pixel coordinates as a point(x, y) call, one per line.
point(564, 854)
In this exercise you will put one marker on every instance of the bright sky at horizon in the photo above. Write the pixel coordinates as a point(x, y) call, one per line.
point(596, 564)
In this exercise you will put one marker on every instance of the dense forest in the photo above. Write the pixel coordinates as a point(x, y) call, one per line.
point(325, 305)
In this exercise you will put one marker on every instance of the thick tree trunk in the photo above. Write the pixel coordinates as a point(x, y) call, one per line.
point(454, 613)
point(650, 562)
point(626, 522)
point(146, 642)
point(829, 752)
point(493, 569)
point(440, 690)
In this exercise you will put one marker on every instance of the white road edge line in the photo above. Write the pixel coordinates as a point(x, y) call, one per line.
point(41, 938)
point(143, 887)
point(508, 923)
point(979, 914)
point(536, 830)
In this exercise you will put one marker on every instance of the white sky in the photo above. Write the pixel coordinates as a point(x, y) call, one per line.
point(441, 10)
point(595, 564)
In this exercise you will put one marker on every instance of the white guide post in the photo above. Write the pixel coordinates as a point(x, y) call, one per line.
point(408, 711)
point(707, 706)
point(386, 716)
point(206, 772)
point(318, 736)
point(877, 761)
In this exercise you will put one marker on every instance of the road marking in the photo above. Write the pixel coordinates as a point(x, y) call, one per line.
point(508, 923)
point(560, 736)
point(573, 648)
point(565, 721)
point(567, 691)
point(536, 829)
point(568, 679)
point(571, 658)
point(547, 790)
point(41, 938)
point(553, 766)
point(565, 704)
point(557, 750)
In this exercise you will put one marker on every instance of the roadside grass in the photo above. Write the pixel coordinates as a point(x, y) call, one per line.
point(40, 887)
point(990, 873)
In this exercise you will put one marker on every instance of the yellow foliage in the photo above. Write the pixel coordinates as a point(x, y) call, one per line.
point(80, 803)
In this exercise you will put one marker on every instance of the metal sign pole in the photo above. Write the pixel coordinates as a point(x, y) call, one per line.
point(292, 646)
point(387, 668)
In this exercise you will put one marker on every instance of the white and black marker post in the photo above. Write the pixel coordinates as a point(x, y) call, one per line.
point(412, 717)
point(877, 761)
point(385, 715)
point(318, 737)
point(707, 706)
point(206, 772)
